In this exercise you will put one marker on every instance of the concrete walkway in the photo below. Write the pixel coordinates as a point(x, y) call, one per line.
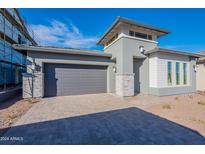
point(96, 119)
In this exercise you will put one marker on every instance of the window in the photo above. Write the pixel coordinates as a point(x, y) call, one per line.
point(149, 37)
point(19, 39)
point(131, 33)
point(1, 18)
point(169, 73)
point(184, 73)
point(140, 35)
point(177, 73)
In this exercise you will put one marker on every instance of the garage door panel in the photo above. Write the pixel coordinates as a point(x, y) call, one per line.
point(74, 79)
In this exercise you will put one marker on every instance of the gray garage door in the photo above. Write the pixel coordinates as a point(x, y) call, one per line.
point(64, 79)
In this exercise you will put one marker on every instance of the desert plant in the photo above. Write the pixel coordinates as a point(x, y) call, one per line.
point(201, 103)
point(11, 116)
point(166, 106)
point(190, 96)
point(199, 121)
point(176, 98)
point(33, 100)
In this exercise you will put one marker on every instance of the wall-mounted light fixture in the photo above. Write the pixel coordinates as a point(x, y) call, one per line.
point(33, 66)
point(114, 69)
point(195, 68)
point(141, 48)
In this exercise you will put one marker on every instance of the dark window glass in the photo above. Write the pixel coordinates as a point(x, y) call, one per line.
point(185, 73)
point(19, 39)
point(131, 33)
point(141, 35)
point(177, 73)
point(149, 37)
point(169, 68)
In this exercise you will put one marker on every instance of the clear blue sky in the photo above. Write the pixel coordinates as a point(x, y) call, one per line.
point(83, 27)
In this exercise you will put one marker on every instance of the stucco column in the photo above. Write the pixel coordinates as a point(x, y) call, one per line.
point(193, 74)
point(125, 75)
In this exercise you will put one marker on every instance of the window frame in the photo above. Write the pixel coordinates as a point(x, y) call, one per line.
point(177, 72)
point(140, 35)
point(131, 33)
point(185, 73)
point(169, 73)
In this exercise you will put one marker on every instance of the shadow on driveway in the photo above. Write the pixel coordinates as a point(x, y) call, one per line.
point(123, 126)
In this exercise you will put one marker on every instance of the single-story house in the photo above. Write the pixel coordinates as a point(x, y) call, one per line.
point(200, 75)
point(131, 63)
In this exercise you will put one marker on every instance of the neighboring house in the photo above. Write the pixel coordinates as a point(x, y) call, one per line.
point(131, 63)
point(200, 75)
point(12, 62)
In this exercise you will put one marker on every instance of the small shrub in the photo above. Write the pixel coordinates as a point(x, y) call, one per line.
point(33, 100)
point(201, 103)
point(177, 98)
point(166, 106)
point(11, 116)
point(190, 96)
point(199, 121)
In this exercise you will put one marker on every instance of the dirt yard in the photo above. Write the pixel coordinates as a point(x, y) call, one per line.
point(186, 110)
point(11, 111)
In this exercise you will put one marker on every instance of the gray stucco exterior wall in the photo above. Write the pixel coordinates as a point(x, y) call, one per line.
point(131, 50)
point(126, 50)
point(125, 58)
point(127, 55)
point(40, 58)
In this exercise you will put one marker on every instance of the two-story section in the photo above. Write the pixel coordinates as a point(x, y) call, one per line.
point(142, 67)
point(132, 63)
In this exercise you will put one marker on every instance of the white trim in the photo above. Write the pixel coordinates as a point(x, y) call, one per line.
point(75, 62)
point(130, 37)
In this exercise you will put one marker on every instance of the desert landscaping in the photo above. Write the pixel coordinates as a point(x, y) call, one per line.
point(11, 111)
point(186, 110)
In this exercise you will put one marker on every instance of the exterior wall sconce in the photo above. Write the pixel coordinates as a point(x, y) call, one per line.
point(114, 69)
point(33, 66)
point(141, 48)
point(195, 68)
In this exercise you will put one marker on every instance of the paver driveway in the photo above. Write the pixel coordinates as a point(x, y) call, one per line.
point(96, 119)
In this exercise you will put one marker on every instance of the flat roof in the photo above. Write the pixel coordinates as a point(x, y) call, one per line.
point(131, 22)
point(174, 52)
point(201, 52)
point(59, 50)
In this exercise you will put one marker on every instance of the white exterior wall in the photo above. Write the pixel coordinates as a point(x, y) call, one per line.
point(153, 71)
point(159, 73)
point(200, 77)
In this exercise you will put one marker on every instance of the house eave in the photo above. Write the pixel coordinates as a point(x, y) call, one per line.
point(130, 22)
point(176, 52)
point(58, 50)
